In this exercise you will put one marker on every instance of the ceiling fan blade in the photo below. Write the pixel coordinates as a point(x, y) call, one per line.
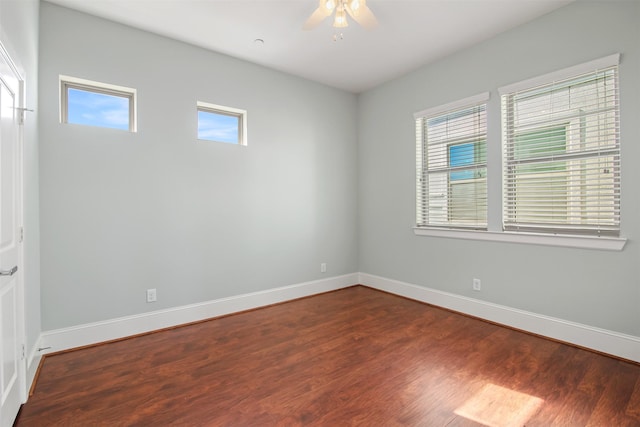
point(363, 16)
point(316, 18)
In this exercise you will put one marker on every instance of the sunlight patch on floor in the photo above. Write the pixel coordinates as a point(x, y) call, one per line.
point(497, 406)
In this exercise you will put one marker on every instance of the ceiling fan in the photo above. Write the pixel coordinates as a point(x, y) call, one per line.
point(356, 9)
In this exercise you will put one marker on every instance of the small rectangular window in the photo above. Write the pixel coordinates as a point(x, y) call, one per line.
point(222, 124)
point(451, 160)
point(92, 103)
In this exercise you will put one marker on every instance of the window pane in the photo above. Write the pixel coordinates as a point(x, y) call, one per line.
point(462, 155)
point(97, 109)
point(562, 156)
point(468, 201)
point(218, 127)
point(451, 165)
point(542, 142)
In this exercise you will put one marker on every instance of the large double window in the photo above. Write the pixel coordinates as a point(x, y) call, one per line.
point(560, 157)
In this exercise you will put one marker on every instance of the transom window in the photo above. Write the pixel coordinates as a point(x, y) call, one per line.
point(222, 124)
point(86, 102)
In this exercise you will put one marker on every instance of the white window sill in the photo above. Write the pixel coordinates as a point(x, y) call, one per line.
point(567, 241)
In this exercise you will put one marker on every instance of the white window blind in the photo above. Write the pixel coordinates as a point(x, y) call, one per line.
point(451, 165)
point(561, 155)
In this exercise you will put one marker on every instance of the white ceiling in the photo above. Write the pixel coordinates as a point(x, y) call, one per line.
point(410, 33)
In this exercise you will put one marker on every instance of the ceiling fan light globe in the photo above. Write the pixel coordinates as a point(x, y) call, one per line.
point(328, 5)
point(340, 20)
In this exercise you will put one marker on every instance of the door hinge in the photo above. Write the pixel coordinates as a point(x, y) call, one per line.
point(21, 234)
point(23, 352)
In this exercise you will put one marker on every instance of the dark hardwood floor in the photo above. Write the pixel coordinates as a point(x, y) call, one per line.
point(351, 357)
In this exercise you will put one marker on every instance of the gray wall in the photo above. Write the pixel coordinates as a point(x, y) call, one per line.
point(19, 34)
point(122, 212)
point(592, 287)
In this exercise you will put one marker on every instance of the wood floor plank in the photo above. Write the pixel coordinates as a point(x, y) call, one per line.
point(355, 357)
point(613, 406)
point(580, 404)
point(633, 408)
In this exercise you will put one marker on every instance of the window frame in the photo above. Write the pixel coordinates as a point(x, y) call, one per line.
point(238, 113)
point(495, 233)
point(477, 102)
point(68, 82)
point(590, 222)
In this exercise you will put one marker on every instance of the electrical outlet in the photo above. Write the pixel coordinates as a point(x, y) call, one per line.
point(477, 284)
point(152, 296)
point(323, 267)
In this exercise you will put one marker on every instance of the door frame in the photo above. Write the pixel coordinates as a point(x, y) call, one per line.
point(7, 61)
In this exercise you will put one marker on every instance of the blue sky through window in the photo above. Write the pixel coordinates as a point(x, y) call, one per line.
point(97, 109)
point(218, 127)
point(461, 155)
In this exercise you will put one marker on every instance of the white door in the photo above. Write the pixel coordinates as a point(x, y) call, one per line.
point(12, 370)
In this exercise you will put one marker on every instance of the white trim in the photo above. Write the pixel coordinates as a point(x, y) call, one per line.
point(221, 108)
point(562, 240)
point(605, 341)
point(241, 114)
point(33, 361)
point(15, 79)
point(97, 87)
point(93, 333)
point(602, 340)
point(565, 73)
point(466, 102)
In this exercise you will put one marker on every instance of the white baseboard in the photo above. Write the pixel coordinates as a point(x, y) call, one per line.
point(33, 361)
point(93, 333)
point(602, 340)
point(605, 341)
